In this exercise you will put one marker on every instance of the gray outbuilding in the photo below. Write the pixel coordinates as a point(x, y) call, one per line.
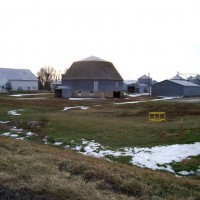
point(195, 79)
point(92, 77)
point(142, 85)
point(17, 80)
point(176, 88)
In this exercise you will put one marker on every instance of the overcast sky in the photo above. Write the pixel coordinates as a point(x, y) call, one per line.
point(159, 37)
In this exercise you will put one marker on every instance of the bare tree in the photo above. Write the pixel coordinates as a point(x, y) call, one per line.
point(46, 76)
point(66, 70)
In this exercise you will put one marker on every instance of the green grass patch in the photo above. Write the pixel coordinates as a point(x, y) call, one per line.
point(108, 124)
point(189, 164)
point(120, 159)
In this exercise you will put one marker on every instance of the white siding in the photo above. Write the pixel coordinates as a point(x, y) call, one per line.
point(3, 80)
point(24, 85)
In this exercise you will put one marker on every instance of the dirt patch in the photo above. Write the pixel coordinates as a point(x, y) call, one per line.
point(6, 126)
point(21, 194)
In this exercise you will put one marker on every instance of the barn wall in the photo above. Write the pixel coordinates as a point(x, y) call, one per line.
point(88, 85)
point(88, 94)
point(3, 90)
point(167, 88)
point(66, 93)
point(24, 85)
point(144, 89)
point(3, 80)
point(93, 88)
point(195, 81)
point(146, 81)
point(191, 91)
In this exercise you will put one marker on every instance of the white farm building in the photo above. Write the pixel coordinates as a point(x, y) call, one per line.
point(17, 80)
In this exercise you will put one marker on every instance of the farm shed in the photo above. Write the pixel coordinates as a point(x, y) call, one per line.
point(92, 77)
point(142, 85)
point(173, 88)
point(195, 79)
point(17, 80)
point(131, 86)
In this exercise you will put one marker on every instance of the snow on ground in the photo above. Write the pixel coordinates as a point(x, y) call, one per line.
point(29, 134)
point(14, 112)
point(132, 102)
point(14, 133)
point(58, 143)
point(79, 99)
point(81, 107)
point(4, 122)
point(21, 95)
point(15, 129)
point(163, 155)
point(5, 134)
point(155, 158)
point(138, 94)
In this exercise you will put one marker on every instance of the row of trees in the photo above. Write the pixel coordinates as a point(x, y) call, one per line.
point(46, 76)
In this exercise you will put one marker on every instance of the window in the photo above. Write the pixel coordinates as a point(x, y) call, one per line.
point(95, 85)
point(117, 84)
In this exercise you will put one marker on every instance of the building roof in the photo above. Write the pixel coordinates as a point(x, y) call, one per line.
point(18, 74)
point(92, 58)
point(130, 82)
point(197, 77)
point(177, 77)
point(144, 77)
point(92, 68)
point(184, 83)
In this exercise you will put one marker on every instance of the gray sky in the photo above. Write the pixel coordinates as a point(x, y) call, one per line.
point(159, 37)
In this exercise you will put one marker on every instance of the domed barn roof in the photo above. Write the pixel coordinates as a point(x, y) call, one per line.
point(92, 68)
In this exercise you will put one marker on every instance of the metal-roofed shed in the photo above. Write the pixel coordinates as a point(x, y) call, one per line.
point(17, 80)
point(173, 88)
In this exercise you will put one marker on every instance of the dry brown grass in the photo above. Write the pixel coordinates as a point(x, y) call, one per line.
point(60, 174)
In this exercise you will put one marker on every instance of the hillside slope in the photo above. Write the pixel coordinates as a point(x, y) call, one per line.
point(33, 171)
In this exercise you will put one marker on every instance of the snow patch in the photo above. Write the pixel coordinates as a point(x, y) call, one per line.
point(155, 158)
point(6, 134)
point(4, 122)
point(79, 99)
point(29, 134)
point(134, 102)
point(58, 143)
point(13, 135)
point(14, 112)
point(81, 107)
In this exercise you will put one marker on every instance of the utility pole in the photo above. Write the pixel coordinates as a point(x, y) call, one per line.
point(149, 84)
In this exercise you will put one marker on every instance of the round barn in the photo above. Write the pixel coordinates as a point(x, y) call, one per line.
point(91, 77)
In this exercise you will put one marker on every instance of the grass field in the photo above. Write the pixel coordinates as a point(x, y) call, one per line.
point(110, 124)
point(107, 123)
